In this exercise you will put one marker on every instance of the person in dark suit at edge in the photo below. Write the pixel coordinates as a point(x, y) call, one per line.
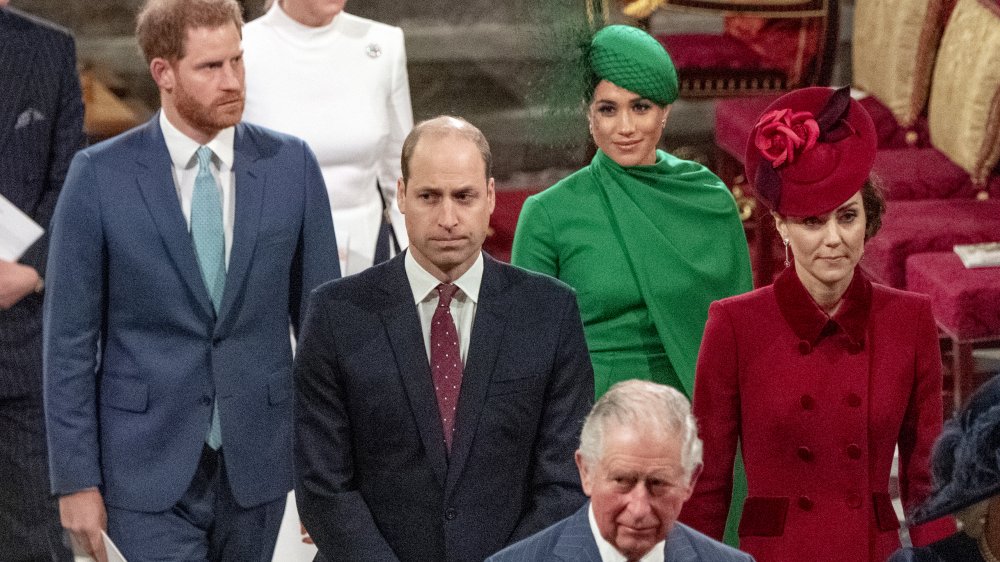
point(639, 458)
point(41, 127)
point(439, 394)
point(180, 252)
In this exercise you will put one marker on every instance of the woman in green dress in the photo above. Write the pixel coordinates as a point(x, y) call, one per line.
point(648, 240)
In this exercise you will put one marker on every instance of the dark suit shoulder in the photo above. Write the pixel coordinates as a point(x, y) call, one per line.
point(536, 547)
point(707, 548)
point(28, 22)
point(267, 140)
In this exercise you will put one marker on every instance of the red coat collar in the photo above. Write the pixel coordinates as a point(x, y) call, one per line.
point(810, 323)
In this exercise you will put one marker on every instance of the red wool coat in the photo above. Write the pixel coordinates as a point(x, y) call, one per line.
point(818, 404)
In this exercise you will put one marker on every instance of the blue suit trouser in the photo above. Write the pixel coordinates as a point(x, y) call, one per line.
point(207, 524)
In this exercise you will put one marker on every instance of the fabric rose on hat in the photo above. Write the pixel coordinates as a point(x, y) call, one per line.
point(782, 135)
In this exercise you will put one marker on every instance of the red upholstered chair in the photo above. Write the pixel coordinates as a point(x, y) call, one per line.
point(763, 49)
point(931, 225)
point(966, 304)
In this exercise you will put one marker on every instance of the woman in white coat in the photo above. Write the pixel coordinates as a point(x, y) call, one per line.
point(339, 82)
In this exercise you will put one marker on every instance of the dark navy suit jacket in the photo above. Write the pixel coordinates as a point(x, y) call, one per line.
point(41, 127)
point(373, 479)
point(571, 540)
point(134, 352)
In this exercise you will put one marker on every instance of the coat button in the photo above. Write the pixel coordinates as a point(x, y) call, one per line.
point(854, 451)
point(206, 400)
point(450, 513)
point(805, 347)
point(805, 503)
point(853, 400)
point(804, 453)
point(853, 500)
point(808, 402)
point(855, 347)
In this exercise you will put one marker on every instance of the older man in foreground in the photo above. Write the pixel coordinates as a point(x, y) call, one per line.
point(639, 458)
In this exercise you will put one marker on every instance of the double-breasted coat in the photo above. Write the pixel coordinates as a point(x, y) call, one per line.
point(818, 404)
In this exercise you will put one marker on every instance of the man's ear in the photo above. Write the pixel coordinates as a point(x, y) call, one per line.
point(491, 194)
point(693, 481)
point(585, 474)
point(401, 195)
point(163, 74)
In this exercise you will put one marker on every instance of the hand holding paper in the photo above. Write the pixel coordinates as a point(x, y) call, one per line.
point(17, 231)
point(84, 516)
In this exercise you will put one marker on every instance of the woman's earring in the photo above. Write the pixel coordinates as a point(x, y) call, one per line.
point(788, 262)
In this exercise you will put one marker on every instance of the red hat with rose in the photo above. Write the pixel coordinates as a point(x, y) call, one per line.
point(811, 150)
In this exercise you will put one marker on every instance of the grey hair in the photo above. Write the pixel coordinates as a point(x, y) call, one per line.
point(647, 406)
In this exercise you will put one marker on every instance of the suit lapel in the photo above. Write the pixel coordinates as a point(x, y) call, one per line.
point(157, 187)
point(15, 56)
point(248, 191)
point(576, 542)
point(406, 337)
point(487, 334)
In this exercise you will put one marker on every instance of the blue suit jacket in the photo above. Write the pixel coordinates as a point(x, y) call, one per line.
point(134, 352)
point(571, 540)
point(373, 479)
point(41, 127)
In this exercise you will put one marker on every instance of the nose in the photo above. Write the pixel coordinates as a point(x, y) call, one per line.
point(448, 218)
point(831, 233)
point(232, 76)
point(638, 502)
point(626, 123)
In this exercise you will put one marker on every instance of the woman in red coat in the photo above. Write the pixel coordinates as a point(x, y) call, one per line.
point(819, 376)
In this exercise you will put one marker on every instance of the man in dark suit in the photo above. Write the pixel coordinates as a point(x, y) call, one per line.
point(438, 395)
point(180, 251)
point(41, 127)
point(639, 458)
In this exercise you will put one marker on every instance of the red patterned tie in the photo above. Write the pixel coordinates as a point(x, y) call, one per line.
point(446, 360)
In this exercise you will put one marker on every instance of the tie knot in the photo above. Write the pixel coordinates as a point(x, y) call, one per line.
point(445, 293)
point(204, 157)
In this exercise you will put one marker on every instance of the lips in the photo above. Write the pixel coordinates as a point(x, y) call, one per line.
point(627, 145)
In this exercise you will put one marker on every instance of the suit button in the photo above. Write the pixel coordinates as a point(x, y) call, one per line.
point(206, 400)
point(805, 347)
point(808, 402)
point(853, 400)
point(804, 453)
point(855, 347)
point(450, 513)
point(854, 451)
point(805, 504)
point(853, 500)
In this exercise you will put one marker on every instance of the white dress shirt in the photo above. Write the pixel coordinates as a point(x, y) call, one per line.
point(184, 164)
point(463, 304)
point(610, 554)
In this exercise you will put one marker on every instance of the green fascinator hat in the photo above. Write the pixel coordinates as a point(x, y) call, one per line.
point(630, 58)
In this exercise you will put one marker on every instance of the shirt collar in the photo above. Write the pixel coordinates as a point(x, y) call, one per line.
point(422, 283)
point(610, 554)
point(182, 148)
point(808, 320)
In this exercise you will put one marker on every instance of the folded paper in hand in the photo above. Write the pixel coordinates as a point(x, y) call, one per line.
point(17, 231)
point(986, 254)
point(114, 555)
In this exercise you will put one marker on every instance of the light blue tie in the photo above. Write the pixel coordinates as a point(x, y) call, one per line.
point(210, 247)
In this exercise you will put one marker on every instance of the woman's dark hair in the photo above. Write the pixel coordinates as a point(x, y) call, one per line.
point(873, 202)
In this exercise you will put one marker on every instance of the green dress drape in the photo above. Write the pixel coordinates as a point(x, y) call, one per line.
point(647, 249)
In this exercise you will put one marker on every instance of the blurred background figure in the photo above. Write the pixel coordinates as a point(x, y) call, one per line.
point(41, 127)
point(966, 468)
point(819, 376)
point(339, 82)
